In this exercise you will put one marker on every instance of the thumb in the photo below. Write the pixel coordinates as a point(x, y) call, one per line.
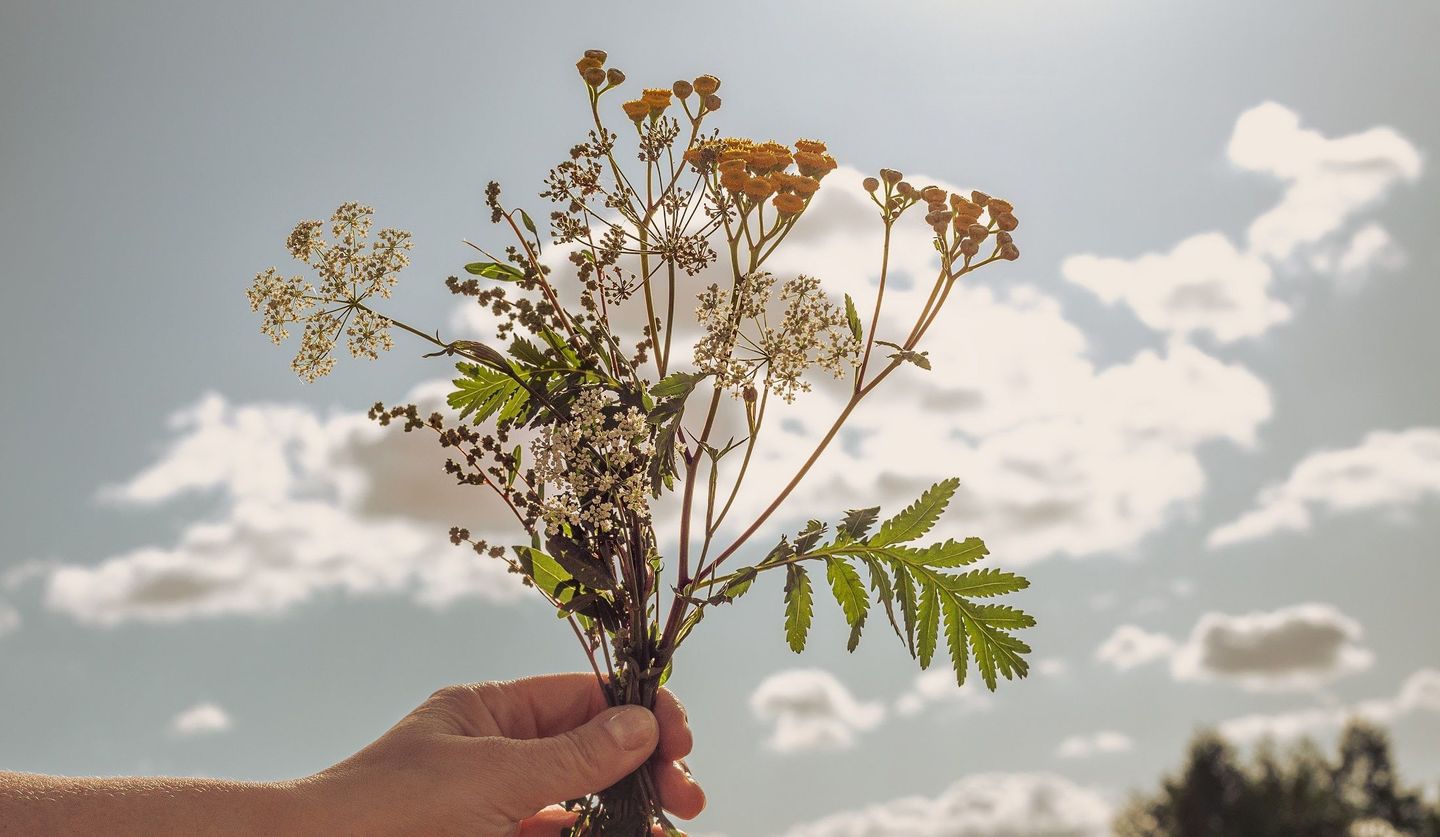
point(584, 760)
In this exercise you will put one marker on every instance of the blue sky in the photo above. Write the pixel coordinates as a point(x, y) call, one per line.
point(1200, 410)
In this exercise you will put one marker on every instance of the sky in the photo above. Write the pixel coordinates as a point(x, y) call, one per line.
point(1199, 413)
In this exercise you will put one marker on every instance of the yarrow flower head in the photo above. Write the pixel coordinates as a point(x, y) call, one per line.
point(351, 269)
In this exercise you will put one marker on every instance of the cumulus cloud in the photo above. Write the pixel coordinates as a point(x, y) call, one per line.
point(1101, 743)
point(937, 688)
point(984, 805)
point(811, 710)
point(201, 719)
point(1131, 646)
point(310, 505)
point(1327, 180)
point(1297, 647)
point(1419, 693)
point(1209, 284)
point(1204, 284)
point(1392, 471)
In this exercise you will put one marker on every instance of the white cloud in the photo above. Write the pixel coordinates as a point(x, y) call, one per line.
point(1419, 693)
point(9, 619)
point(1204, 284)
point(984, 805)
point(1327, 181)
point(1298, 647)
point(1052, 667)
point(1390, 471)
point(1101, 743)
point(1208, 284)
point(201, 719)
point(937, 687)
point(811, 710)
point(310, 505)
point(1131, 646)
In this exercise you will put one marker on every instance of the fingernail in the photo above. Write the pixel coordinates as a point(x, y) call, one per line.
point(631, 727)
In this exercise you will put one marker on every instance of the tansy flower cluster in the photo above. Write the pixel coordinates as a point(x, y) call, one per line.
point(756, 171)
point(350, 269)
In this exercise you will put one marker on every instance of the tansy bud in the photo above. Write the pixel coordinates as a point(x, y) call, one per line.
point(890, 176)
point(980, 198)
point(871, 184)
point(711, 101)
point(977, 232)
point(682, 88)
point(904, 188)
point(707, 84)
point(998, 206)
point(1003, 238)
point(933, 194)
point(969, 247)
point(598, 54)
point(636, 109)
point(615, 77)
point(938, 217)
point(789, 204)
point(1010, 252)
point(1006, 221)
point(585, 64)
point(594, 76)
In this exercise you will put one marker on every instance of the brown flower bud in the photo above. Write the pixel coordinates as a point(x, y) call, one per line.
point(682, 88)
point(751, 394)
point(933, 194)
point(904, 188)
point(636, 109)
point(789, 204)
point(980, 198)
point(711, 101)
point(998, 206)
point(804, 186)
point(585, 64)
point(1006, 221)
point(597, 54)
point(969, 247)
point(734, 181)
point(594, 76)
point(977, 232)
point(615, 77)
point(938, 217)
point(707, 84)
point(871, 184)
point(1010, 252)
point(890, 176)
point(1003, 238)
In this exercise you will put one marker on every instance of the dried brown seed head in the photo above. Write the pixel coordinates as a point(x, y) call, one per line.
point(682, 88)
point(871, 184)
point(706, 84)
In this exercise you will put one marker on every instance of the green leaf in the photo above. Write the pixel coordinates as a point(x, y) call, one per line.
point(983, 583)
point(526, 352)
point(546, 572)
point(529, 224)
point(929, 623)
point(952, 553)
point(581, 565)
point(496, 270)
point(512, 468)
point(739, 585)
point(917, 518)
point(484, 392)
point(1003, 616)
point(853, 317)
point(955, 638)
point(799, 606)
point(849, 590)
point(678, 384)
point(806, 539)
point(905, 597)
point(857, 522)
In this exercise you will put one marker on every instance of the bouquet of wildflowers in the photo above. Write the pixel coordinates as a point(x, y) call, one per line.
point(582, 410)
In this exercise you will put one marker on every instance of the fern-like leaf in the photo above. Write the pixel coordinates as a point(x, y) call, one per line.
point(917, 518)
point(799, 606)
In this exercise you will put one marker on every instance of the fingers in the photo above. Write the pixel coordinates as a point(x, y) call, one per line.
point(679, 792)
point(577, 762)
point(676, 740)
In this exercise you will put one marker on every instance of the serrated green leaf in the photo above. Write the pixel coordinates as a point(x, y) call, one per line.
point(799, 606)
point(526, 352)
point(983, 583)
point(884, 593)
point(582, 566)
point(917, 518)
point(984, 651)
point(849, 590)
point(1003, 616)
point(678, 384)
point(496, 270)
point(512, 468)
point(905, 597)
point(739, 585)
point(806, 539)
point(857, 522)
point(484, 392)
point(929, 623)
point(853, 317)
point(952, 553)
point(955, 639)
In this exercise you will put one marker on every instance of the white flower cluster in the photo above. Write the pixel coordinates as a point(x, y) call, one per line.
point(351, 269)
point(595, 464)
point(813, 331)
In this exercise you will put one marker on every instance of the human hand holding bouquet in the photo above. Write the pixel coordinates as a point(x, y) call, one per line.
point(584, 425)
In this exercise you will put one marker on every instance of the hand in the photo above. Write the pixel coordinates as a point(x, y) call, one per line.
point(492, 758)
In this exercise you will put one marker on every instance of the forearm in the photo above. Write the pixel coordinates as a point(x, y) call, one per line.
point(36, 805)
